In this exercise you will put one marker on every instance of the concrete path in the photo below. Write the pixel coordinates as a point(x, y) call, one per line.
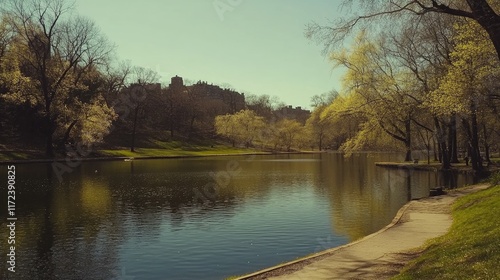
point(380, 255)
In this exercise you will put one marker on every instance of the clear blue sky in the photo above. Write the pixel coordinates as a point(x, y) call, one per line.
point(256, 46)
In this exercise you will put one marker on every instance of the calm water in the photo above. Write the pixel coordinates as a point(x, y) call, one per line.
point(199, 218)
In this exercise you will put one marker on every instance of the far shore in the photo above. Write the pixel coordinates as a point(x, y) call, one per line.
point(130, 158)
point(145, 154)
point(434, 166)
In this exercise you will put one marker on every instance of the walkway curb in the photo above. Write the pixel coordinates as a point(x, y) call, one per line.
point(394, 222)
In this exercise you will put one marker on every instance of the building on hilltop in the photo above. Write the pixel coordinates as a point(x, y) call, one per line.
point(176, 84)
point(225, 100)
point(297, 113)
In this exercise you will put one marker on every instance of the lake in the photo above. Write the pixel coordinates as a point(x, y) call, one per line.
point(200, 218)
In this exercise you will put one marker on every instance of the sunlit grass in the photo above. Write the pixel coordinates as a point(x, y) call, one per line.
point(174, 150)
point(14, 156)
point(470, 250)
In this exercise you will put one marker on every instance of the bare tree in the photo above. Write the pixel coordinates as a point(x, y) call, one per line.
point(481, 11)
point(144, 85)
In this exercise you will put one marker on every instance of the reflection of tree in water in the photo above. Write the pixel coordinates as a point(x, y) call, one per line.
point(365, 198)
point(360, 198)
point(65, 230)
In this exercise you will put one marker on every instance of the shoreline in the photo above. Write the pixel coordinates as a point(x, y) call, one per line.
point(347, 261)
point(73, 159)
point(303, 261)
point(436, 167)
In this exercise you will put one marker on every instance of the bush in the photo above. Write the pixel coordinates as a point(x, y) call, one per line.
point(495, 178)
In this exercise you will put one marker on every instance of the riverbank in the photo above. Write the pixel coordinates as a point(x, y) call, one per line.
point(435, 166)
point(142, 154)
point(380, 255)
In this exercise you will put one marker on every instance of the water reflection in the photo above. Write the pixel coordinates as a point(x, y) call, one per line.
point(147, 218)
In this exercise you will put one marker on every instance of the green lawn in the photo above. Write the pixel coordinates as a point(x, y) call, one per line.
point(154, 148)
point(176, 149)
point(471, 249)
point(11, 155)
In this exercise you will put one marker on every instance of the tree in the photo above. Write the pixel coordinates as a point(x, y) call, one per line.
point(262, 105)
point(481, 11)
point(344, 120)
point(137, 94)
point(320, 128)
point(243, 126)
point(317, 128)
point(225, 125)
point(385, 90)
point(55, 50)
point(176, 110)
point(324, 99)
point(423, 47)
point(289, 132)
point(469, 85)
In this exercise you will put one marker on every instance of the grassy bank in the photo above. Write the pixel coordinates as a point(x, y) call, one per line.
point(176, 149)
point(434, 166)
point(471, 249)
point(154, 148)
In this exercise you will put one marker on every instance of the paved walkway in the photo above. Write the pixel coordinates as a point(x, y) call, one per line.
point(380, 255)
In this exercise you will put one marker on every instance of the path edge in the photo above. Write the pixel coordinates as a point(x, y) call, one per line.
point(394, 222)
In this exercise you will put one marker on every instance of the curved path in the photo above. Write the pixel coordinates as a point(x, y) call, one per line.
point(380, 255)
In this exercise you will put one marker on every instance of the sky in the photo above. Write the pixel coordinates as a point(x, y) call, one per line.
point(255, 46)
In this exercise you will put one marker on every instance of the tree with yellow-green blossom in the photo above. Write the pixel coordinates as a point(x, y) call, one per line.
point(384, 91)
point(242, 127)
point(470, 87)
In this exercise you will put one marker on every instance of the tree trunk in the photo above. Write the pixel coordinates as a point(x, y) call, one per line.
point(487, 153)
point(443, 151)
point(472, 135)
point(134, 128)
point(49, 134)
point(453, 139)
point(486, 146)
point(434, 150)
point(49, 149)
point(68, 132)
point(477, 161)
point(428, 154)
point(408, 156)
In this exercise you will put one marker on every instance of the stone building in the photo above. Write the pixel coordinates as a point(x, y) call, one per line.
point(293, 113)
point(227, 100)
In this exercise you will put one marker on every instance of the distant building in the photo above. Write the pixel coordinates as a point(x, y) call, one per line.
point(176, 84)
point(211, 94)
point(297, 113)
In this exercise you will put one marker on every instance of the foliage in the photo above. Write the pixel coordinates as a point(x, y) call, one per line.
point(472, 75)
point(288, 133)
point(383, 92)
point(51, 64)
point(242, 127)
point(495, 178)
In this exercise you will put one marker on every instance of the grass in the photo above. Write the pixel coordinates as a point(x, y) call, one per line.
point(16, 155)
point(176, 149)
point(148, 147)
point(471, 249)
